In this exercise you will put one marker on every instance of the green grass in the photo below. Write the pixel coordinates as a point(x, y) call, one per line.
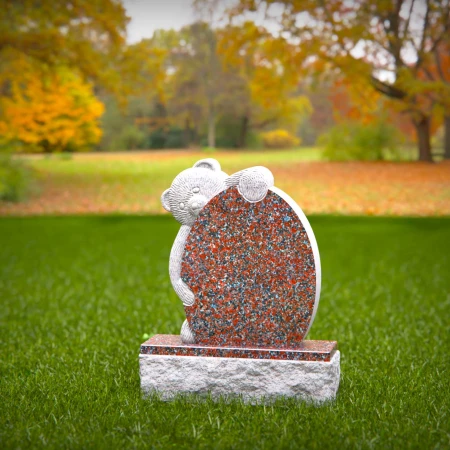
point(77, 294)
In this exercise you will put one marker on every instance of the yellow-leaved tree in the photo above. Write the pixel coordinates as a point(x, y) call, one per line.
point(50, 111)
point(266, 90)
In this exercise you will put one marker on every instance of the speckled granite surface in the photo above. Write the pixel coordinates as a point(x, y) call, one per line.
point(252, 270)
point(171, 345)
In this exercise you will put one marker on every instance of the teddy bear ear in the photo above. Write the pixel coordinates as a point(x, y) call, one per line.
point(165, 200)
point(208, 163)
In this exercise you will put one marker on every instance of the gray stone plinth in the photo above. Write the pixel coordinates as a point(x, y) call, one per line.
point(252, 379)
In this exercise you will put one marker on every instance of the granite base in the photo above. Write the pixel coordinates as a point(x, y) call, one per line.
point(254, 379)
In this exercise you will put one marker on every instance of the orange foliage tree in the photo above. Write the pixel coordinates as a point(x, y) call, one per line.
point(352, 101)
point(369, 40)
point(435, 75)
point(50, 111)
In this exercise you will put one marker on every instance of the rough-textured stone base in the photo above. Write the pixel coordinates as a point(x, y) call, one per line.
point(252, 379)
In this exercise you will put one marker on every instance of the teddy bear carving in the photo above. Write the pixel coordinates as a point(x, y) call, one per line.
point(189, 193)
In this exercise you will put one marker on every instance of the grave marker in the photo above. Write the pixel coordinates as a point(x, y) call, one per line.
point(246, 266)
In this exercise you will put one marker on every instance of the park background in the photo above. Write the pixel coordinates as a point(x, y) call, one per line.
point(103, 102)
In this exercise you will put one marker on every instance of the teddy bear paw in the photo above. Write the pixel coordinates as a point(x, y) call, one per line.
point(253, 185)
point(187, 337)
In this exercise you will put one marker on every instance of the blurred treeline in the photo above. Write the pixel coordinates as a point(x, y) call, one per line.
point(358, 78)
point(207, 88)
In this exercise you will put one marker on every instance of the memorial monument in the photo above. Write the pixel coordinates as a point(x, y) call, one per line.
point(246, 266)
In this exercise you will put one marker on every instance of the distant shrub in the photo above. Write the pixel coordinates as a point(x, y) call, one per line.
point(229, 132)
point(280, 139)
point(356, 141)
point(157, 139)
point(160, 138)
point(16, 179)
point(131, 138)
point(175, 138)
point(254, 141)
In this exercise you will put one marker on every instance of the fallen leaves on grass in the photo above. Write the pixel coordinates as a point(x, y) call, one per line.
point(400, 189)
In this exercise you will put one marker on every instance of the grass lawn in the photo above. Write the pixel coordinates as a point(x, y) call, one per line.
point(132, 183)
point(78, 293)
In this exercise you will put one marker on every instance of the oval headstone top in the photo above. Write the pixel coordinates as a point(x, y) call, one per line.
point(255, 271)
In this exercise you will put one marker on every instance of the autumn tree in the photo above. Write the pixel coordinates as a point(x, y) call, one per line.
point(442, 58)
point(206, 12)
point(384, 42)
point(196, 80)
point(85, 35)
point(49, 111)
point(436, 72)
point(170, 78)
point(50, 53)
point(261, 89)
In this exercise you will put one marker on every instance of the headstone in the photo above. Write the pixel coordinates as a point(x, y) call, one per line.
point(253, 270)
point(246, 266)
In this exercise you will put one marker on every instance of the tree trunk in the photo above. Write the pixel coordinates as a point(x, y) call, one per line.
point(187, 133)
point(211, 126)
point(211, 82)
point(46, 146)
point(243, 134)
point(423, 138)
point(447, 137)
point(194, 135)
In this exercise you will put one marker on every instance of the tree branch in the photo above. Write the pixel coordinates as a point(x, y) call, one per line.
point(264, 123)
point(408, 20)
point(424, 35)
point(444, 31)
point(437, 58)
point(392, 31)
point(428, 74)
point(387, 89)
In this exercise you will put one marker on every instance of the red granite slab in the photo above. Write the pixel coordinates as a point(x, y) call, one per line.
point(169, 344)
point(253, 271)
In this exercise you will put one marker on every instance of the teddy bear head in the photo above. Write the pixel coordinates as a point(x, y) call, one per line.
point(192, 189)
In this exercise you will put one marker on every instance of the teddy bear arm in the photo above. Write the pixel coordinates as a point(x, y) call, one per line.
point(184, 293)
point(176, 255)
